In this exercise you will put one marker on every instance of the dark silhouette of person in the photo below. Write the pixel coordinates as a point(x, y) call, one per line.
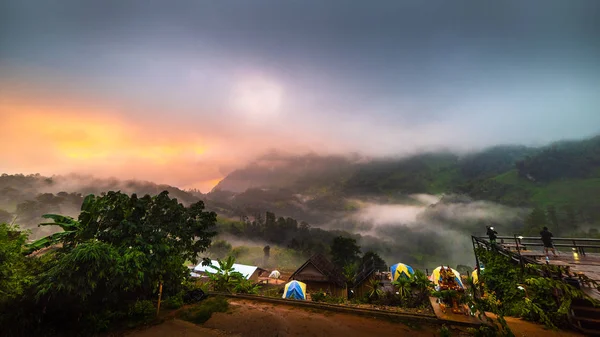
point(547, 241)
point(492, 234)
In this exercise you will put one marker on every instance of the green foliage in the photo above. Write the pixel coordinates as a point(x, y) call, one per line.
point(344, 251)
point(375, 289)
point(202, 312)
point(141, 311)
point(113, 257)
point(15, 273)
point(538, 294)
point(224, 278)
point(318, 296)
point(174, 301)
point(403, 287)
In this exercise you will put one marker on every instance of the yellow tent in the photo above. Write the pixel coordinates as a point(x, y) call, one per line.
point(436, 277)
point(401, 270)
point(475, 277)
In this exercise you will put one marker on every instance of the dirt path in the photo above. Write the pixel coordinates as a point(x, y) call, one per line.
point(250, 318)
point(178, 328)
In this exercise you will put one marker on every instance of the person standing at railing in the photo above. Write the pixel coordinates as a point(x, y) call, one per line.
point(547, 241)
point(492, 234)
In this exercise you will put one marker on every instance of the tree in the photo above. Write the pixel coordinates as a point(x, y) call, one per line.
point(344, 251)
point(373, 258)
point(117, 252)
point(14, 275)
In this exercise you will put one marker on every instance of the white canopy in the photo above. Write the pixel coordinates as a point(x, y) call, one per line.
point(275, 274)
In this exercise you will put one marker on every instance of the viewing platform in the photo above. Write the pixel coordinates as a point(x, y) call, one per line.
point(580, 255)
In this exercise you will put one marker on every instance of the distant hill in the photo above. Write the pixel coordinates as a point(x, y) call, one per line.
point(322, 189)
point(26, 198)
point(563, 174)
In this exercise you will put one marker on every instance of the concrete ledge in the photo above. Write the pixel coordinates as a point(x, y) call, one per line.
point(396, 316)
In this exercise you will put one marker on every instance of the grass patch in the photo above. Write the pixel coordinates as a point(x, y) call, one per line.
point(202, 312)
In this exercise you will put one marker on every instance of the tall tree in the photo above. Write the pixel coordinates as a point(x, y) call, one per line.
point(375, 260)
point(128, 244)
point(344, 251)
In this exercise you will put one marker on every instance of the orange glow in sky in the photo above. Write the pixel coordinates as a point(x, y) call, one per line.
point(51, 138)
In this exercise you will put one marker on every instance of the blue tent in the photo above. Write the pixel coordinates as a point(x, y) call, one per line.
point(401, 270)
point(295, 290)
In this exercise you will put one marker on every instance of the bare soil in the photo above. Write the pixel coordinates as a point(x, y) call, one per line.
point(250, 318)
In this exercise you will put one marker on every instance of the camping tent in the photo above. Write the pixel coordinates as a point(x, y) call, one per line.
point(436, 277)
point(475, 277)
point(295, 290)
point(401, 270)
point(275, 274)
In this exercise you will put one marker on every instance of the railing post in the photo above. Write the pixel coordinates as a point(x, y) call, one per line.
point(520, 256)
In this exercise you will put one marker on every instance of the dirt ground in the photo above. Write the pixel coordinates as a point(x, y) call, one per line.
point(249, 318)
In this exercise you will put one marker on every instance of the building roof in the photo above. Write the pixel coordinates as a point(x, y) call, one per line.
point(329, 271)
point(245, 270)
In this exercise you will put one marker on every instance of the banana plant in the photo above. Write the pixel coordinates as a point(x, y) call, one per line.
point(70, 228)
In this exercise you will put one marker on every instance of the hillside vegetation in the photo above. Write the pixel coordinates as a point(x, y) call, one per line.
point(561, 175)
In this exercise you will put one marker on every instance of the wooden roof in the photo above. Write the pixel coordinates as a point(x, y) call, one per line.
point(329, 272)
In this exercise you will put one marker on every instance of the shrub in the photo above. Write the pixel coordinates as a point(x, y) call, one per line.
point(318, 296)
point(202, 312)
point(142, 311)
point(174, 302)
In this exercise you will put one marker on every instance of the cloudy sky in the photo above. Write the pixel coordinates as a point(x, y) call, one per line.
point(181, 92)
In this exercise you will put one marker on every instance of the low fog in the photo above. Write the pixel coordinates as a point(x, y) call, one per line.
point(434, 225)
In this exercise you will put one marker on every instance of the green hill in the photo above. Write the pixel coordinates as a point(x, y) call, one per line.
point(562, 175)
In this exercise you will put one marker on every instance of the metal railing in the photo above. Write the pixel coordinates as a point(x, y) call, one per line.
point(499, 248)
point(578, 245)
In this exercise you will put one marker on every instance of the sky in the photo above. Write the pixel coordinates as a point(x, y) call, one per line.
point(182, 92)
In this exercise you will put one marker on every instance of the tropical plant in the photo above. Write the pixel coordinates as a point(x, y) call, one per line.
point(375, 290)
point(421, 286)
point(70, 228)
point(226, 279)
point(403, 287)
